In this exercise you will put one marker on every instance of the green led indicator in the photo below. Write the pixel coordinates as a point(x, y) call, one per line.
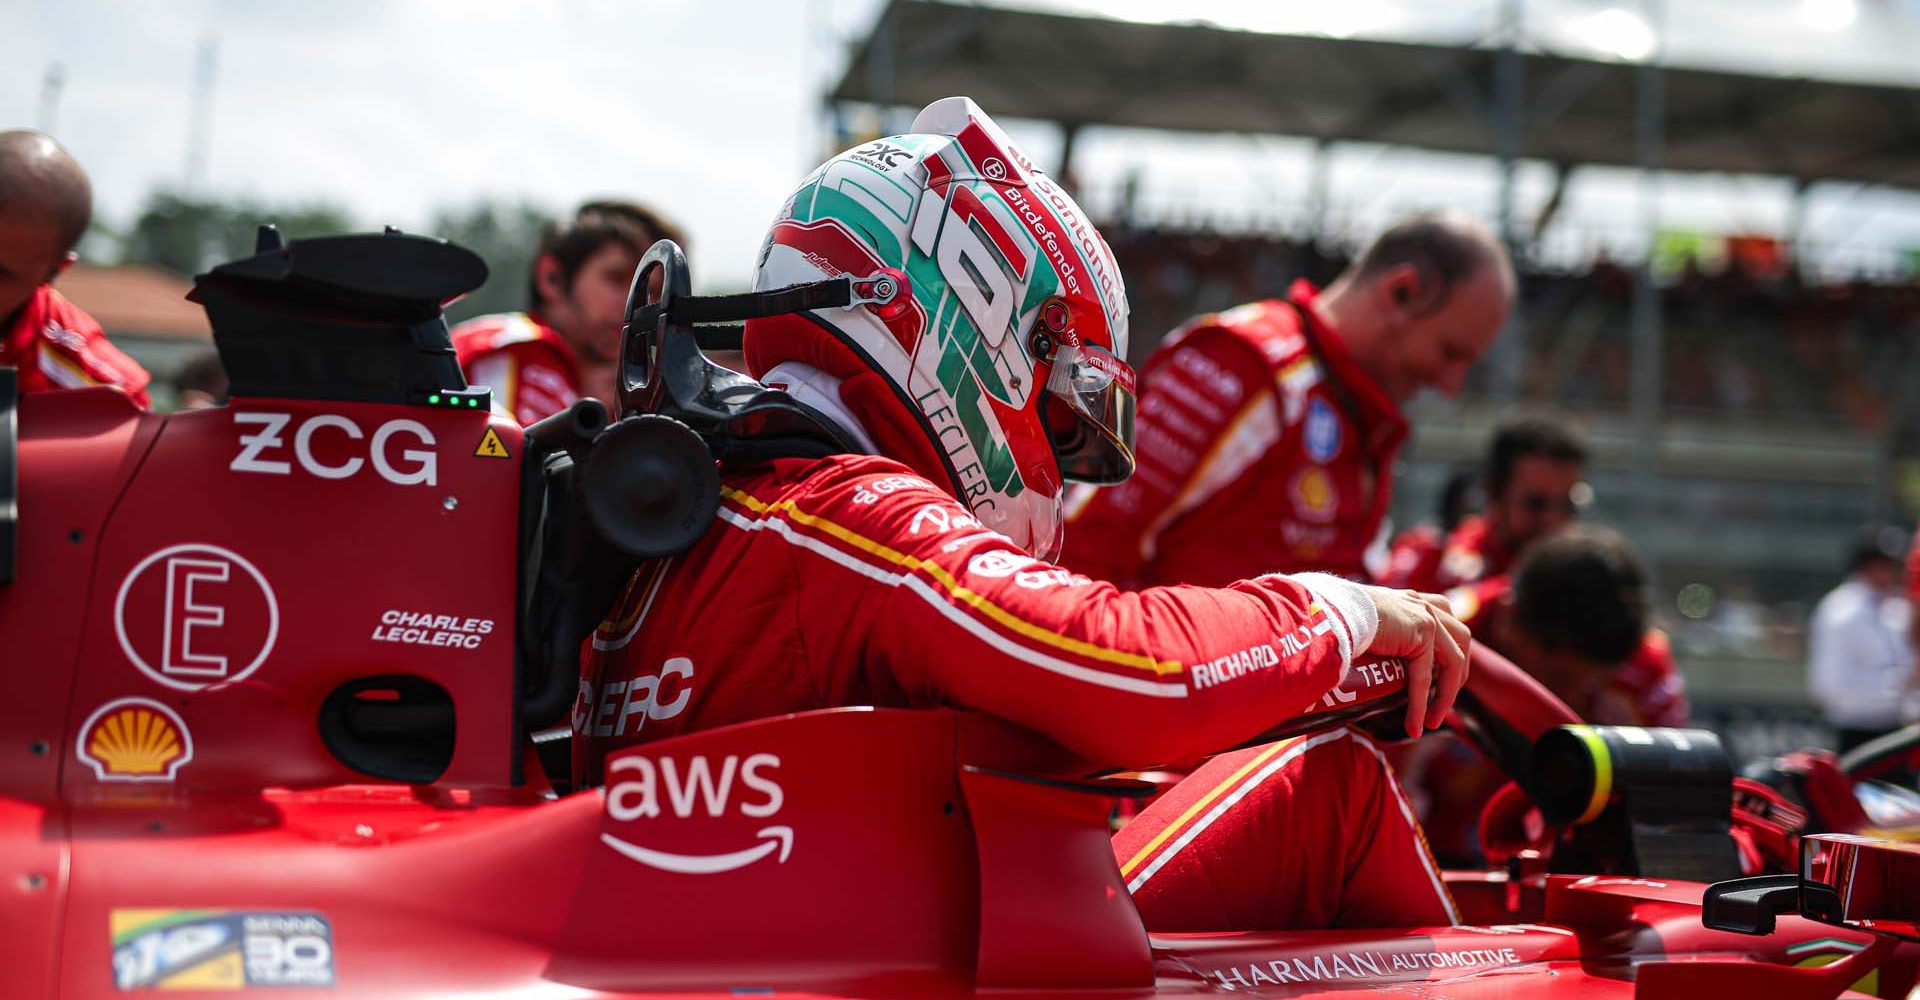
point(475, 403)
point(434, 399)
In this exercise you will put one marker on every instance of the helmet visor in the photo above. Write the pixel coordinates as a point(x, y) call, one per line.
point(1098, 388)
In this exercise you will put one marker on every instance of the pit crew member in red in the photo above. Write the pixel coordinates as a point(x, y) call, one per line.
point(1574, 614)
point(1577, 618)
point(1535, 485)
point(46, 202)
point(1913, 589)
point(565, 344)
point(918, 575)
point(1268, 432)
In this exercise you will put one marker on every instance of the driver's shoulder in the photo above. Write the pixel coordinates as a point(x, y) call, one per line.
point(861, 499)
point(814, 485)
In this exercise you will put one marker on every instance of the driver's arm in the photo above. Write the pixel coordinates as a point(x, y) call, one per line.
point(1120, 678)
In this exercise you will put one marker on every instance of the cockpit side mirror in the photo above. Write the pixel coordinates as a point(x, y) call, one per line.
point(1864, 883)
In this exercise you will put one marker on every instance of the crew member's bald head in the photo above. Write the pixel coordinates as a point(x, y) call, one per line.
point(1445, 248)
point(40, 180)
point(1423, 302)
point(45, 203)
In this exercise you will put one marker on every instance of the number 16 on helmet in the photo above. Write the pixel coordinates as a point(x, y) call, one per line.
point(1005, 336)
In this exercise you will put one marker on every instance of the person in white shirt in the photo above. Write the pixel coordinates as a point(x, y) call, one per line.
point(1861, 651)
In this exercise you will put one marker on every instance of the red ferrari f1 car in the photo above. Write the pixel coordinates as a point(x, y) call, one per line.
point(274, 673)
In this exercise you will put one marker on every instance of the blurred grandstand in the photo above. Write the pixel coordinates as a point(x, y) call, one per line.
point(1750, 399)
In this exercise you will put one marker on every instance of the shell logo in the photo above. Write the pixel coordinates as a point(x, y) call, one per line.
point(1315, 498)
point(135, 739)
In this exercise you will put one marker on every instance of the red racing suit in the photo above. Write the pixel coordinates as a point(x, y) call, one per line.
point(1913, 574)
point(1421, 561)
point(1262, 447)
point(1644, 690)
point(528, 365)
point(1308, 832)
point(1450, 781)
point(851, 580)
point(54, 345)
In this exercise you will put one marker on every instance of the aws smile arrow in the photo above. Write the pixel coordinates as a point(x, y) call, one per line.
point(772, 837)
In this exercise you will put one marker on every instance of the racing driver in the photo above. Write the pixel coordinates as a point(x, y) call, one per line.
point(917, 574)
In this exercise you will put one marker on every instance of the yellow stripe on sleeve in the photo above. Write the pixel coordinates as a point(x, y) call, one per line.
point(953, 586)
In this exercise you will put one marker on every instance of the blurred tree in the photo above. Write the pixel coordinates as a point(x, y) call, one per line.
point(505, 235)
point(188, 235)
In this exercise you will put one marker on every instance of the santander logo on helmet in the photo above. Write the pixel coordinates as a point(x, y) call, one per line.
point(1010, 352)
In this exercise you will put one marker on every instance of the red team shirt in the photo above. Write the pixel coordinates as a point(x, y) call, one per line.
point(1423, 561)
point(1646, 690)
point(1453, 781)
point(850, 580)
point(1261, 446)
point(54, 345)
point(526, 363)
point(1913, 573)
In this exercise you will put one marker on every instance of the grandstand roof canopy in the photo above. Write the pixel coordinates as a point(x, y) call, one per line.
point(1081, 70)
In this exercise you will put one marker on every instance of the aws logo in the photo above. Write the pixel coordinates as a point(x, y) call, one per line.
point(642, 788)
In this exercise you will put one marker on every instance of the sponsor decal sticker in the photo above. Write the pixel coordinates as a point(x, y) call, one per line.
point(1234, 666)
point(420, 628)
point(681, 788)
point(1362, 965)
point(219, 949)
point(1047, 579)
point(1206, 374)
point(491, 446)
point(1463, 564)
point(1314, 495)
point(327, 446)
point(1363, 679)
point(1307, 539)
point(195, 616)
point(942, 518)
point(134, 739)
point(607, 710)
point(1322, 431)
point(996, 564)
point(883, 155)
point(868, 494)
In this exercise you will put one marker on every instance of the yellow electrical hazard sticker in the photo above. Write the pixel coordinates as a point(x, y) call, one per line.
point(491, 446)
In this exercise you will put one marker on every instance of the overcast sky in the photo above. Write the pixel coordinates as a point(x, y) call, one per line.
point(709, 109)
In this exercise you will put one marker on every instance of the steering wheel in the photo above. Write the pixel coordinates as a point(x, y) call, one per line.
point(1502, 712)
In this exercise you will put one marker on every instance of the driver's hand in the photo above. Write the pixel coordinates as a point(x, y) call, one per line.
point(1421, 629)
